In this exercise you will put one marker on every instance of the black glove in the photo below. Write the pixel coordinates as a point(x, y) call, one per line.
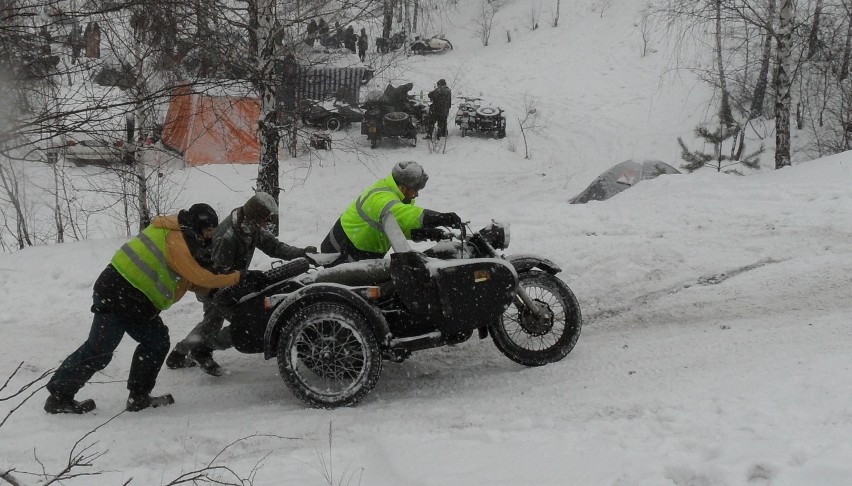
point(432, 219)
point(424, 234)
point(309, 249)
point(254, 279)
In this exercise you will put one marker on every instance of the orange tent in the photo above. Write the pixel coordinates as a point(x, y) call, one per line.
point(212, 129)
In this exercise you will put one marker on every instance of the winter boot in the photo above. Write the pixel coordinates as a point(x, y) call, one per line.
point(55, 404)
point(179, 360)
point(204, 358)
point(137, 402)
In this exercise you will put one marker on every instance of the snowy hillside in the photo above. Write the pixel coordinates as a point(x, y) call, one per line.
point(716, 307)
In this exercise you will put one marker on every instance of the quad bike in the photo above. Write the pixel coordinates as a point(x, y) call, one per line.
point(392, 43)
point(385, 120)
point(332, 328)
point(429, 45)
point(472, 115)
point(331, 114)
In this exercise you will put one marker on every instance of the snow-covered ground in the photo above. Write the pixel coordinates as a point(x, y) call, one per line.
point(716, 307)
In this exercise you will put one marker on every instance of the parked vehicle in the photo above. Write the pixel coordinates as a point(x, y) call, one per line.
point(472, 115)
point(393, 114)
point(430, 45)
point(331, 114)
point(331, 329)
point(83, 150)
point(392, 43)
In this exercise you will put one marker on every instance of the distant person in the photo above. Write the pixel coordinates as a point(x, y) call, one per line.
point(234, 243)
point(385, 213)
point(439, 110)
point(363, 43)
point(350, 39)
point(146, 276)
point(313, 30)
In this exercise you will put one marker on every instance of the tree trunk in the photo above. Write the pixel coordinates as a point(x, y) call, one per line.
point(813, 38)
point(267, 171)
point(847, 49)
point(725, 115)
point(759, 96)
point(415, 15)
point(782, 85)
point(136, 121)
point(556, 16)
point(387, 21)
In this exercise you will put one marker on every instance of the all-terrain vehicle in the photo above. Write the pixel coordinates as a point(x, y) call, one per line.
point(472, 115)
point(332, 328)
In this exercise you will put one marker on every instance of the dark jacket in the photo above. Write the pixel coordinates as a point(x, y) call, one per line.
point(442, 100)
point(234, 243)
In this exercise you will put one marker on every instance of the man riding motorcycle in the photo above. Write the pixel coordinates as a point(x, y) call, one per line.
point(385, 216)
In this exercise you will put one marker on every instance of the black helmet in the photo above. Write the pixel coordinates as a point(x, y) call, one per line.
point(442, 82)
point(198, 217)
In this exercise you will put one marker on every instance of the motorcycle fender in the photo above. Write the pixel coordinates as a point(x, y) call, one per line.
point(329, 292)
point(525, 263)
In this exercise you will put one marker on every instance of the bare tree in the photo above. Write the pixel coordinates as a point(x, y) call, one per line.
point(529, 123)
point(484, 19)
point(783, 81)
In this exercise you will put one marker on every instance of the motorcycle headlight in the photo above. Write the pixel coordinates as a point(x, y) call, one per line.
point(496, 234)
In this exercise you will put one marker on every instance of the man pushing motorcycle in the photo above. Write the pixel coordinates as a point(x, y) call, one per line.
point(385, 216)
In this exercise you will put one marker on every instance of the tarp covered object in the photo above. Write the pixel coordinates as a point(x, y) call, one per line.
point(620, 177)
point(211, 128)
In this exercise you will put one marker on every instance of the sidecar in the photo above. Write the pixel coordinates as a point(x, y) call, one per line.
point(382, 120)
point(331, 114)
point(472, 116)
point(331, 329)
point(429, 45)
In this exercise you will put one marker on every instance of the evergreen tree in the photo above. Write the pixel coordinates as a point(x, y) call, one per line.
point(717, 160)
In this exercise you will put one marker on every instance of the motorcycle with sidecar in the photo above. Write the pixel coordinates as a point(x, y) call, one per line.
point(472, 115)
point(391, 115)
point(331, 114)
point(331, 328)
point(427, 45)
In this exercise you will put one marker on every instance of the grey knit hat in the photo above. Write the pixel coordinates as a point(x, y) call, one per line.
point(410, 174)
point(259, 207)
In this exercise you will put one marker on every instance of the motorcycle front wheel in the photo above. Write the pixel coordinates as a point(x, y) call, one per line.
point(328, 356)
point(535, 341)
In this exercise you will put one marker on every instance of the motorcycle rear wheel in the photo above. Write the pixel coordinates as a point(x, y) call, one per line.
point(537, 345)
point(328, 355)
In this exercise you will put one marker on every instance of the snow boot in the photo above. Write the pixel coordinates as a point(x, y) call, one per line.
point(55, 404)
point(136, 402)
point(204, 358)
point(179, 360)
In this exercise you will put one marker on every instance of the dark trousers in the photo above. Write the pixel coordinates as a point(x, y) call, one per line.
point(441, 120)
point(336, 241)
point(96, 353)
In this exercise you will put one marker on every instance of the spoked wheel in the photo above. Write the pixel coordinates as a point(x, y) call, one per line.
point(328, 356)
point(537, 340)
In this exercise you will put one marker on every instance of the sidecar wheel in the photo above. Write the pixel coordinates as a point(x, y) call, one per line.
point(333, 124)
point(531, 343)
point(328, 356)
